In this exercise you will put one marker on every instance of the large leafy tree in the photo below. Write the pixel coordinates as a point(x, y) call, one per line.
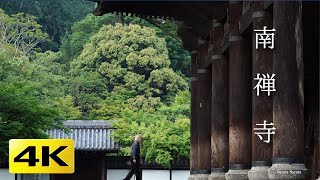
point(82, 31)
point(124, 72)
point(126, 59)
point(21, 31)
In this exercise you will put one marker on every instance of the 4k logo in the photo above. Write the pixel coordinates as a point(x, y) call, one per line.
point(41, 156)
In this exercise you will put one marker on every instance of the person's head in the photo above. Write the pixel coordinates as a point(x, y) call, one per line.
point(138, 138)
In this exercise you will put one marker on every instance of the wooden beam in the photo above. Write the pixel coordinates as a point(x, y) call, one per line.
point(245, 21)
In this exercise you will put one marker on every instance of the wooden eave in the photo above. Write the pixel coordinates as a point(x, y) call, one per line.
point(196, 15)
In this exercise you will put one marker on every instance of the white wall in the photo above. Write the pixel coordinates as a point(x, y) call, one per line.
point(180, 174)
point(156, 174)
point(35, 177)
point(117, 174)
point(5, 175)
point(113, 174)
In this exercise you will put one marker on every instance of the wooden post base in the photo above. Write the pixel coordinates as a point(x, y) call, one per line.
point(259, 173)
point(201, 177)
point(237, 174)
point(288, 171)
point(217, 176)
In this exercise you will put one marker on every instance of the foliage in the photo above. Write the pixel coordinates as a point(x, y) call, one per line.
point(51, 62)
point(126, 69)
point(136, 89)
point(56, 16)
point(67, 109)
point(25, 100)
point(180, 58)
point(73, 43)
point(21, 31)
point(81, 32)
point(179, 109)
point(127, 60)
point(87, 90)
point(29, 90)
point(163, 140)
point(165, 132)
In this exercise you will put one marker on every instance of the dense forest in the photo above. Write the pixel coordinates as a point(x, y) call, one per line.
point(58, 62)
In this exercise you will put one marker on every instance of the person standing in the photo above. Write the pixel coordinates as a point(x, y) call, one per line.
point(135, 159)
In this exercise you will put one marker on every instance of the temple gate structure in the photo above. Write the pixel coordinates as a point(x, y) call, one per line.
point(93, 139)
point(225, 107)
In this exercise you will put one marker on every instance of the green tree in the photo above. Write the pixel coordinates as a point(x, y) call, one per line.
point(55, 16)
point(81, 32)
point(163, 140)
point(67, 109)
point(27, 95)
point(179, 109)
point(129, 60)
point(50, 63)
point(21, 31)
point(166, 131)
point(120, 68)
point(180, 58)
point(88, 92)
point(29, 89)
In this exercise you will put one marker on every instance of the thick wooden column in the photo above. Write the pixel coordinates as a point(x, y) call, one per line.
point(317, 138)
point(288, 100)
point(262, 104)
point(239, 99)
point(194, 116)
point(204, 114)
point(220, 107)
point(317, 133)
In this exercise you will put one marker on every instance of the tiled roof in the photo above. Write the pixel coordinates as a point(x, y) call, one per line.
point(89, 135)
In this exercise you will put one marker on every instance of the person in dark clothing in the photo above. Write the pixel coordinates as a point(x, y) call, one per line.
point(135, 159)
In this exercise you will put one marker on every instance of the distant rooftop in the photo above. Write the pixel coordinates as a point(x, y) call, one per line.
point(89, 135)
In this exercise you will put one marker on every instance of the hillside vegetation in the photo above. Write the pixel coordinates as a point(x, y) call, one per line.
point(58, 62)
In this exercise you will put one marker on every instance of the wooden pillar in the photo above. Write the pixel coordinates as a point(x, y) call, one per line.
point(220, 107)
point(288, 67)
point(288, 100)
point(317, 141)
point(317, 131)
point(317, 137)
point(262, 104)
point(240, 105)
point(316, 123)
point(239, 99)
point(194, 116)
point(204, 114)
